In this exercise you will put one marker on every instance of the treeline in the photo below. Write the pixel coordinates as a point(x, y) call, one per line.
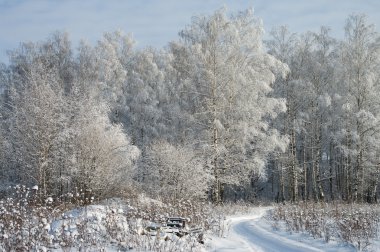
point(217, 115)
point(332, 117)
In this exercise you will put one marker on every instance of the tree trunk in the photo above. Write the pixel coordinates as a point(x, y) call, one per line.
point(293, 167)
point(281, 196)
point(305, 196)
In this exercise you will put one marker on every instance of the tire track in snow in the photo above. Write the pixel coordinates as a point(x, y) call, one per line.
point(261, 239)
point(245, 234)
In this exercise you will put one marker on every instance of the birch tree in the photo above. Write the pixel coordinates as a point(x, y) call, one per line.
point(360, 67)
point(306, 90)
point(282, 45)
point(228, 80)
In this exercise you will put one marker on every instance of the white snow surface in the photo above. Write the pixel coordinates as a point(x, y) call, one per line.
point(254, 233)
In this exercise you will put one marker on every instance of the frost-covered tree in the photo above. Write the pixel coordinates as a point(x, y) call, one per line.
point(282, 45)
point(331, 117)
point(143, 93)
point(104, 157)
point(360, 79)
point(318, 71)
point(307, 91)
point(110, 52)
point(225, 86)
point(320, 74)
point(313, 69)
point(35, 126)
point(57, 123)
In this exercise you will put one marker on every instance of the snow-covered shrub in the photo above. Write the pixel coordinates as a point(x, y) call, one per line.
point(69, 222)
point(105, 157)
point(359, 225)
point(25, 221)
point(352, 223)
point(173, 172)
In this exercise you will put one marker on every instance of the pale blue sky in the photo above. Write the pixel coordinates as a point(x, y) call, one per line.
point(156, 22)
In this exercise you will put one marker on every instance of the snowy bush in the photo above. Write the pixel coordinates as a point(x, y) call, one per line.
point(28, 223)
point(174, 172)
point(24, 221)
point(351, 223)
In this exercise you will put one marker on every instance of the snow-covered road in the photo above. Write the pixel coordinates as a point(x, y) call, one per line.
point(252, 233)
point(257, 238)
